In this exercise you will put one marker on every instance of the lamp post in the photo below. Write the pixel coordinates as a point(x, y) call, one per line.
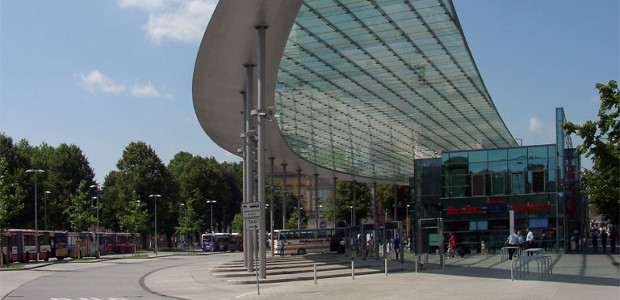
point(351, 207)
point(181, 221)
point(407, 219)
point(211, 201)
point(36, 229)
point(45, 209)
point(155, 196)
point(96, 187)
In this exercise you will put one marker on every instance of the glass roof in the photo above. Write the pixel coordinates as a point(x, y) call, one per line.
point(365, 87)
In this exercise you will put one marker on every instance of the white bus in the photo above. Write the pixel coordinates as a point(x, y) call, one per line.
point(304, 241)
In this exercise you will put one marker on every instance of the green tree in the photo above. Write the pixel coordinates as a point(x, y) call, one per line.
point(237, 223)
point(385, 196)
point(140, 170)
point(81, 212)
point(363, 205)
point(188, 225)
point(292, 221)
point(133, 217)
point(601, 142)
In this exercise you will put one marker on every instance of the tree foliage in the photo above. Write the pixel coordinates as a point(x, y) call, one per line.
point(81, 211)
point(601, 143)
point(344, 191)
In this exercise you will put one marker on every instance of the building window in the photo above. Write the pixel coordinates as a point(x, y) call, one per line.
point(499, 184)
point(478, 185)
point(538, 181)
point(518, 183)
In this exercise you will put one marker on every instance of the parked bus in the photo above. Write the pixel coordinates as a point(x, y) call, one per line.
point(59, 245)
point(123, 242)
point(222, 242)
point(21, 245)
point(304, 241)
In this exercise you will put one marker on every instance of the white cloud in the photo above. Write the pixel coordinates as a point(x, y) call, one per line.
point(95, 81)
point(535, 125)
point(147, 90)
point(175, 20)
point(143, 4)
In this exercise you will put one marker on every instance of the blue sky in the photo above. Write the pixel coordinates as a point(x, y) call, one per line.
point(101, 74)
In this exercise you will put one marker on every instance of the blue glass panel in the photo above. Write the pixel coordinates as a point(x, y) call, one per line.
point(517, 153)
point(499, 154)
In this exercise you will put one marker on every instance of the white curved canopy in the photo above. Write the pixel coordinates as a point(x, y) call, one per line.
point(361, 88)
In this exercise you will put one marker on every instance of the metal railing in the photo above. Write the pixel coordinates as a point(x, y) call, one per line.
point(504, 253)
point(520, 267)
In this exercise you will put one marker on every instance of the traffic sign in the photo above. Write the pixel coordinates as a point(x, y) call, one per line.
point(252, 224)
point(251, 210)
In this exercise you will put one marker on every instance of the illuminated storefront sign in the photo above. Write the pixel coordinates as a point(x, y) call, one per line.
point(497, 206)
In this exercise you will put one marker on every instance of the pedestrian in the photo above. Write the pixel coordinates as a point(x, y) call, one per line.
point(529, 240)
point(483, 251)
point(452, 246)
point(396, 243)
point(342, 246)
point(520, 239)
point(281, 248)
point(613, 237)
point(594, 237)
point(512, 241)
point(604, 239)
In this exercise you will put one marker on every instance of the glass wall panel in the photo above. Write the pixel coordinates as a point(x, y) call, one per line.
point(477, 156)
point(459, 180)
point(459, 192)
point(537, 179)
point(478, 185)
point(458, 158)
point(499, 184)
point(537, 152)
point(518, 183)
point(499, 154)
point(498, 166)
point(551, 181)
point(517, 165)
point(537, 164)
point(478, 167)
point(517, 153)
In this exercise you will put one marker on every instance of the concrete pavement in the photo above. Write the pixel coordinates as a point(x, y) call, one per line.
point(575, 276)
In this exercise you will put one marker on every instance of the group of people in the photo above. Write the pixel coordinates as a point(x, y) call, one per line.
point(605, 234)
point(515, 240)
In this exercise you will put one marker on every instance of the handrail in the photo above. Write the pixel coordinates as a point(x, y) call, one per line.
point(504, 252)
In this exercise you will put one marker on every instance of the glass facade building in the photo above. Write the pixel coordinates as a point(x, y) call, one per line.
point(473, 191)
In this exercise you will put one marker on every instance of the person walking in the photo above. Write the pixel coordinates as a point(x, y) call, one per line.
point(613, 237)
point(604, 239)
point(512, 241)
point(396, 243)
point(483, 251)
point(594, 237)
point(452, 246)
point(281, 248)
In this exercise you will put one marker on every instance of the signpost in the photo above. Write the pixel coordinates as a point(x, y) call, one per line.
point(251, 221)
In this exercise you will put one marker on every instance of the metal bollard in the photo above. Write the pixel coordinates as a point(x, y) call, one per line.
point(386, 267)
point(314, 273)
point(352, 270)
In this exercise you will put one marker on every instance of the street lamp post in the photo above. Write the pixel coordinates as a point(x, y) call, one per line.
point(211, 201)
point(180, 221)
point(155, 196)
point(45, 206)
point(36, 228)
point(96, 187)
point(351, 207)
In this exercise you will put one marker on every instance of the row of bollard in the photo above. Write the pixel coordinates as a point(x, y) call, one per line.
point(352, 270)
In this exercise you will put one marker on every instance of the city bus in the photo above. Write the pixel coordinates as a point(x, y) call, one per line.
point(302, 241)
point(21, 245)
point(222, 242)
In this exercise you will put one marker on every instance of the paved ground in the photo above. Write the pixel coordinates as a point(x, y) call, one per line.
point(575, 276)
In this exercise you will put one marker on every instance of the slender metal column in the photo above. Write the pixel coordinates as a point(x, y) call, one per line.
point(395, 203)
point(316, 200)
point(354, 203)
point(335, 202)
point(271, 205)
point(298, 198)
point(245, 174)
point(262, 118)
point(249, 145)
point(375, 218)
point(283, 195)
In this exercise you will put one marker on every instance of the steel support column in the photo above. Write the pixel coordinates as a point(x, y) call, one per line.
point(262, 118)
point(283, 195)
point(316, 201)
point(249, 158)
point(298, 198)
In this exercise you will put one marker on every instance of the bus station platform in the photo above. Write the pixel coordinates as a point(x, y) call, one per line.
point(575, 276)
